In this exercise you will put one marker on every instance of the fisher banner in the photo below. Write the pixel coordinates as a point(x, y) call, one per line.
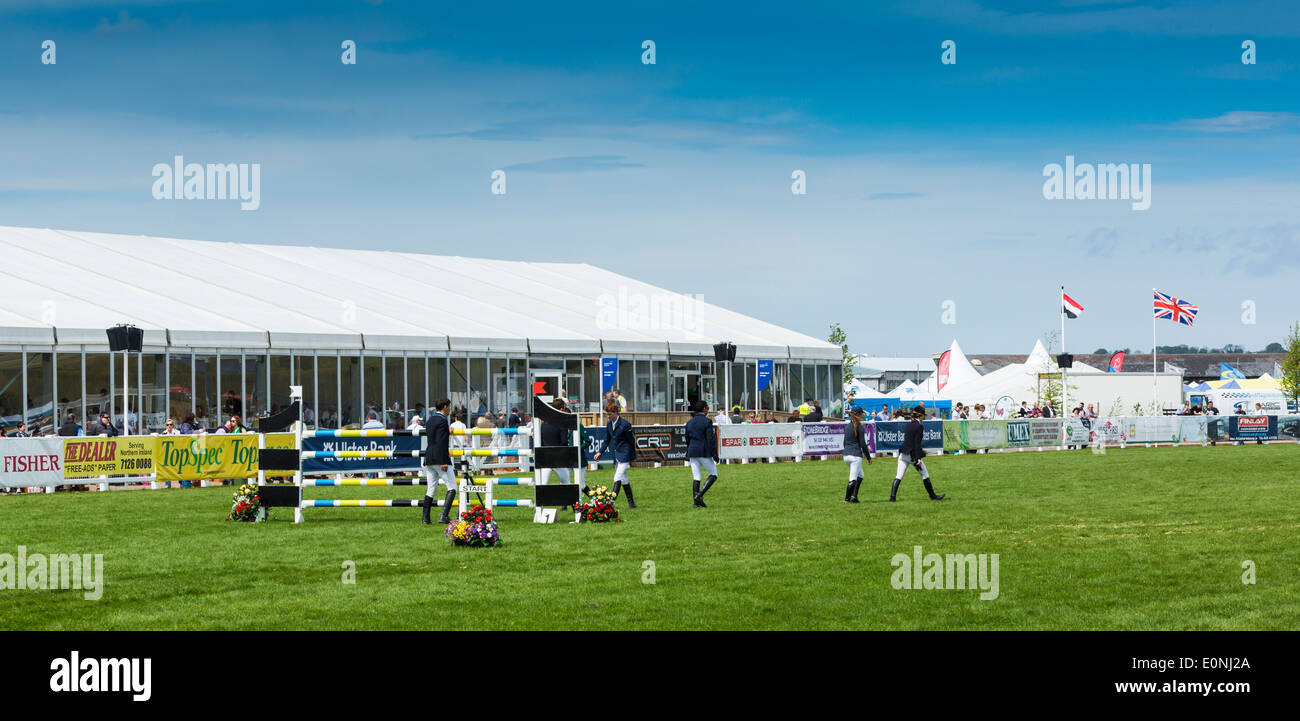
point(969, 435)
point(759, 440)
point(31, 462)
point(92, 456)
point(212, 456)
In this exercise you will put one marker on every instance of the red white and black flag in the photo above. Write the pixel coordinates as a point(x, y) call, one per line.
point(1069, 306)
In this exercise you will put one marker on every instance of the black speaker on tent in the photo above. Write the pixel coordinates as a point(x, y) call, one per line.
point(724, 352)
point(1065, 360)
point(125, 337)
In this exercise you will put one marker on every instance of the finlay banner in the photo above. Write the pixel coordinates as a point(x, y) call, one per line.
point(760, 440)
point(1252, 428)
point(212, 456)
point(91, 456)
point(31, 462)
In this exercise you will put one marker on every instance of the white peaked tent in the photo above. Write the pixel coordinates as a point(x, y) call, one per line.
point(1015, 380)
point(860, 390)
point(960, 372)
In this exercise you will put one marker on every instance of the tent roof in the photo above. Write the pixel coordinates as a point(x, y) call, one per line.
point(68, 286)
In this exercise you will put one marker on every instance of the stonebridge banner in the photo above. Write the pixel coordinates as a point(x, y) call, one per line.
point(212, 456)
point(91, 456)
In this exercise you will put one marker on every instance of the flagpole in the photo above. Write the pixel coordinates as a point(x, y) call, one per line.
point(1065, 388)
point(1154, 392)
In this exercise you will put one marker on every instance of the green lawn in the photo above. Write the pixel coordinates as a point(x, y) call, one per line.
point(1133, 539)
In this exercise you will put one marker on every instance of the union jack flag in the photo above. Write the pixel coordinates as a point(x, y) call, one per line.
point(1179, 311)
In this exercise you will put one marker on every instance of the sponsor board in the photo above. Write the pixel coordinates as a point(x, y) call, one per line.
point(761, 440)
point(359, 465)
point(660, 444)
point(969, 435)
point(889, 435)
point(93, 456)
point(212, 456)
point(1252, 428)
point(31, 462)
point(827, 439)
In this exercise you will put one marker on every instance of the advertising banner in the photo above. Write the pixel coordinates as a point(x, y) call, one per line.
point(362, 465)
point(889, 435)
point(31, 462)
point(1216, 428)
point(1288, 428)
point(212, 456)
point(827, 439)
point(660, 444)
point(764, 374)
point(1151, 429)
point(1252, 428)
point(968, 435)
point(598, 440)
point(608, 374)
point(1192, 429)
point(92, 456)
point(760, 440)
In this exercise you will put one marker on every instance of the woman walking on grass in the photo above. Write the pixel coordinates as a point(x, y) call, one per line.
point(855, 447)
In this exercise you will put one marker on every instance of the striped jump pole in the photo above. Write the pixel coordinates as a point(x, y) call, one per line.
point(382, 433)
point(323, 482)
point(402, 503)
point(455, 452)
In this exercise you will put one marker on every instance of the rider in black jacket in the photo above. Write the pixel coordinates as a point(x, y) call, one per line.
point(911, 454)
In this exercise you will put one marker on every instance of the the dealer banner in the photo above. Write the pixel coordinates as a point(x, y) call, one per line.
point(93, 456)
point(31, 462)
point(213, 456)
point(759, 440)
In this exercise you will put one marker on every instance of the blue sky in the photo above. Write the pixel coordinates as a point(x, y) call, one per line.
point(924, 181)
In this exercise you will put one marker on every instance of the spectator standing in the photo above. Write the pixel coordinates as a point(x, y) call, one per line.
point(70, 427)
point(105, 427)
point(814, 415)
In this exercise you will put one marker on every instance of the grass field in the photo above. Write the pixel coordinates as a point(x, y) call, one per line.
point(1133, 539)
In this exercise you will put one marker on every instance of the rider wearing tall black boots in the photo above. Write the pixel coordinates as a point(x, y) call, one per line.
point(911, 454)
point(855, 449)
point(701, 450)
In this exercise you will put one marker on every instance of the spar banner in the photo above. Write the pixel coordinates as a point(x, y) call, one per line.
point(209, 456)
point(827, 439)
point(1252, 428)
point(660, 444)
point(92, 456)
point(968, 435)
point(889, 435)
point(362, 465)
point(760, 440)
point(31, 462)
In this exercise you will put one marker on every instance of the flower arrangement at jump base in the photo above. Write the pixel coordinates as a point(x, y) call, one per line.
point(600, 508)
point(245, 505)
point(475, 527)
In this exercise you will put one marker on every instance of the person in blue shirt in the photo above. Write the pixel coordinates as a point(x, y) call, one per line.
point(701, 450)
point(620, 447)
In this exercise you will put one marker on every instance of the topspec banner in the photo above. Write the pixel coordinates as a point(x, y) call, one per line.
point(660, 444)
point(210, 456)
point(1252, 428)
point(889, 435)
point(967, 435)
point(760, 440)
point(31, 462)
point(92, 456)
point(361, 465)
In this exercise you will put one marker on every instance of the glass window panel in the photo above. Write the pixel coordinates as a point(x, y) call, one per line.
point(69, 365)
point(500, 385)
point(660, 370)
point(437, 380)
point(459, 384)
point(478, 389)
point(642, 399)
point(626, 381)
point(374, 393)
point(416, 389)
point(180, 394)
point(11, 391)
point(205, 392)
point(153, 386)
point(395, 392)
point(350, 377)
point(40, 392)
point(591, 385)
point(278, 393)
point(256, 394)
point(327, 389)
point(519, 386)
